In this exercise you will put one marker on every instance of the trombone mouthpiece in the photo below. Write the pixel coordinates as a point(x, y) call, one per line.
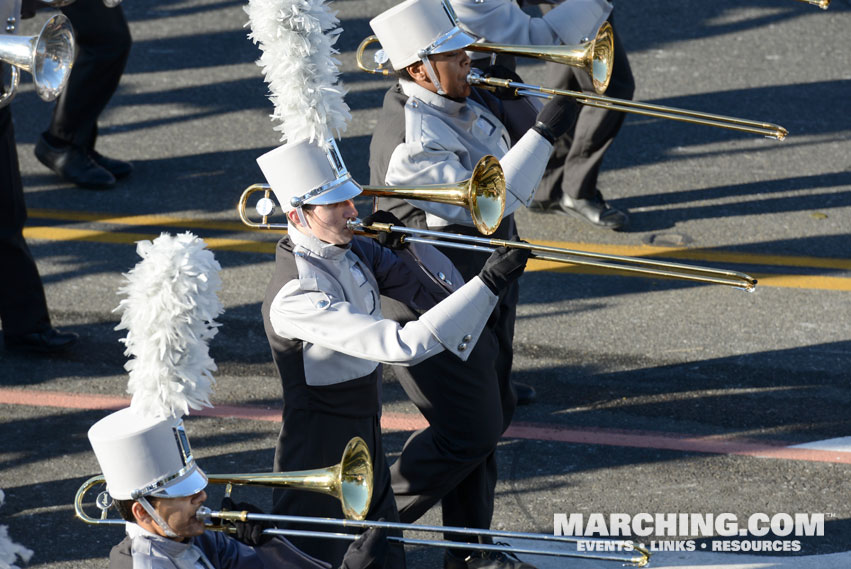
point(203, 514)
point(353, 224)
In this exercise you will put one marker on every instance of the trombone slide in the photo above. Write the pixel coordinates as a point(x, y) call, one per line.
point(624, 105)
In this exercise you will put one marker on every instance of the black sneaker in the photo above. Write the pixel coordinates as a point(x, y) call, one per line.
point(485, 560)
point(51, 341)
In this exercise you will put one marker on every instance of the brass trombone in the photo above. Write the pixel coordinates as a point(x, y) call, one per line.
point(622, 263)
point(596, 56)
point(350, 481)
point(623, 105)
point(639, 560)
point(483, 195)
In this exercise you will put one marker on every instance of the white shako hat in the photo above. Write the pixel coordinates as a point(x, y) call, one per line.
point(413, 30)
point(142, 456)
point(302, 173)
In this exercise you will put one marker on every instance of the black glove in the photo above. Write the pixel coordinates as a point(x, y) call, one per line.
point(368, 551)
point(502, 72)
point(503, 267)
point(556, 117)
point(249, 532)
point(391, 240)
point(30, 7)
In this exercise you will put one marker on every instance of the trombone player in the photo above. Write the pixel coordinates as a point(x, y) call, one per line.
point(443, 134)
point(569, 185)
point(327, 333)
point(158, 488)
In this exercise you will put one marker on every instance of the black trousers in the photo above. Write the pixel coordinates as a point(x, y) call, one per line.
point(103, 45)
point(574, 165)
point(23, 308)
point(468, 405)
point(311, 439)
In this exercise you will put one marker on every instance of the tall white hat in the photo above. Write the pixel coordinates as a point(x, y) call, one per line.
point(144, 456)
point(413, 30)
point(302, 173)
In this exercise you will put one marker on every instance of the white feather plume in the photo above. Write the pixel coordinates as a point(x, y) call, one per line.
point(169, 313)
point(297, 39)
point(10, 551)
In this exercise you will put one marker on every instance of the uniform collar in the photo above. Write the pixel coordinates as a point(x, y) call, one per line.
point(317, 247)
point(431, 99)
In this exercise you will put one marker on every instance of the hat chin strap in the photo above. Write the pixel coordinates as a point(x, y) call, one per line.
point(432, 75)
point(156, 517)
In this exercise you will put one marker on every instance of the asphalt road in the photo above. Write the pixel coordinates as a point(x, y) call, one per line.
point(655, 396)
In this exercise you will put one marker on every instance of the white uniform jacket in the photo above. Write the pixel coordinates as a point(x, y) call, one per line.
point(333, 309)
point(503, 21)
point(444, 139)
point(210, 550)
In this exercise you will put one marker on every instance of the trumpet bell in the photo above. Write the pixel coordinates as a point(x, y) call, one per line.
point(49, 56)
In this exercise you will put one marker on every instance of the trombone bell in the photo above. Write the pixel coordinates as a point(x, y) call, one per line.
point(596, 56)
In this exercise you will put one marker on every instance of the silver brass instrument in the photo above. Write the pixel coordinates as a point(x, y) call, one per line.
point(350, 481)
point(596, 56)
point(483, 195)
point(623, 105)
point(641, 558)
point(48, 56)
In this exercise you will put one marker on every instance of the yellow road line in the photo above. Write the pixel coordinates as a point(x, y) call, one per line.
point(248, 246)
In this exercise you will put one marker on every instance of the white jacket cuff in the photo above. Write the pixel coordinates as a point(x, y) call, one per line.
point(458, 321)
point(523, 167)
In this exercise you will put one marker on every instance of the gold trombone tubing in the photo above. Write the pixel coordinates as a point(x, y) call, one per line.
point(640, 560)
point(648, 267)
point(624, 105)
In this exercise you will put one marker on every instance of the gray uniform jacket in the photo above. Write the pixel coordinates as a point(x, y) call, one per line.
point(444, 138)
point(10, 12)
point(210, 550)
point(503, 21)
point(333, 309)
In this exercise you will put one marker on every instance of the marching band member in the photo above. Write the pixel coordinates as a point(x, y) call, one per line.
point(570, 183)
point(325, 326)
point(23, 307)
point(445, 134)
point(158, 488)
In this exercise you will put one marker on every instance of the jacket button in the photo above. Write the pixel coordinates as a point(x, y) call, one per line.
point(466, 338)
point(462, 346)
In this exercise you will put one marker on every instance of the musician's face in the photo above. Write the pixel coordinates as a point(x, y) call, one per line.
point(328, 222)
point(178, 513)
point(451, 69)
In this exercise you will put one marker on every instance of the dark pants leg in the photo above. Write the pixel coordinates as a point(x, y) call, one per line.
point(577, 156)
point(23, 308)
point(468, 406)
point(310, 440)
point(103, 45)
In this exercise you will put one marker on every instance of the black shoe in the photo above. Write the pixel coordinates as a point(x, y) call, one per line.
point(525, 393)
point(595, 210)
point(118, 168)
point(51, 341)
point(484, 560)
point(74, 164)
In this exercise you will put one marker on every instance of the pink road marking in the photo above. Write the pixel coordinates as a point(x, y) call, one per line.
point(409, 422)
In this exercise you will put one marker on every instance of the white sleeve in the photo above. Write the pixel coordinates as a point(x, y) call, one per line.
point(317, 318)
point(523, 167)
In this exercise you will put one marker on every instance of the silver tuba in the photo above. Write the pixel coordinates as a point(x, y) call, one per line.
point(48, 56)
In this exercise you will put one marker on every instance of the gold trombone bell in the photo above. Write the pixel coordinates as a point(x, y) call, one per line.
point(483, 195)
point(350, 481)
point(596, 56)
